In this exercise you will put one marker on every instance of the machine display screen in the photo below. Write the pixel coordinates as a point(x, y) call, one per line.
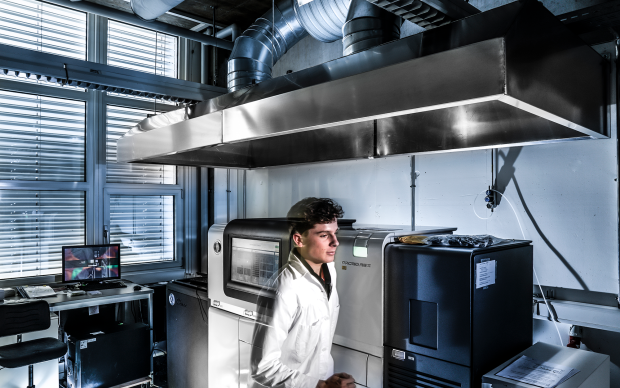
point(254, 261)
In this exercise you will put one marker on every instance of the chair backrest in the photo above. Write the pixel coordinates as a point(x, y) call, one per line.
point(18, 318)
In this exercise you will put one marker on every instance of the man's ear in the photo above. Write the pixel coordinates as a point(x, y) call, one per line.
point(297, 239)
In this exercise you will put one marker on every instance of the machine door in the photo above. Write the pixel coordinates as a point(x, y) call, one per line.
point(223, 349)
point(359, 284)
point(428, 296)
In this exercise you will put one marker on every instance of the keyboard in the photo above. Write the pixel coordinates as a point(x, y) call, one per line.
point(102, 286)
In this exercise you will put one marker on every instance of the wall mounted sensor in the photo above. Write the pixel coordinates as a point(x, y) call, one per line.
point(490, 199)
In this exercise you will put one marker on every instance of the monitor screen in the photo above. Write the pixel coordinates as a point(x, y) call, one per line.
point(86, 263)
point(254, 261)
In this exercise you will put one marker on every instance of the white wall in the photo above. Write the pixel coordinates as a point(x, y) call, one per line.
point(565, 196)
point(372, 191)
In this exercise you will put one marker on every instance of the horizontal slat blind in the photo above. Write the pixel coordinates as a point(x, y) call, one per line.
point(140, 49)
point(119, 121)
point(144, 226)
point(41, 138)
point(43, 27)
point(34, 225)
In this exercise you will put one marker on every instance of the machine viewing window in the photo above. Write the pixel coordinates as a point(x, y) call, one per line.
point(254, 261)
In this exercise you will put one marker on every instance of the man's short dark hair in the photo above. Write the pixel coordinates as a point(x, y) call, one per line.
point(311, 211)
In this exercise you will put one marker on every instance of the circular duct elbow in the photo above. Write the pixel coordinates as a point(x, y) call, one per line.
point(152, 9)
point(323, 19)
point(262, 44)
point(368, 26)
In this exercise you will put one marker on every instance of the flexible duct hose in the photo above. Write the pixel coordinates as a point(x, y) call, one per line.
point(323, 19)
point(152, 9)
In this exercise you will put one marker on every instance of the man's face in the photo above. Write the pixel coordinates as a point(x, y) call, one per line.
point(318, 244)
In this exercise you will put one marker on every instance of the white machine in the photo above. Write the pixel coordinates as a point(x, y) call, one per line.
point(593, 367)
point(244, 253)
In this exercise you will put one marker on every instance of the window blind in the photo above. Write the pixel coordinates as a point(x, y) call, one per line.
point(34, 225)
point(39, 26)
point(140, 49)
point(119, 121)
point(144, 226)
point(41, 138)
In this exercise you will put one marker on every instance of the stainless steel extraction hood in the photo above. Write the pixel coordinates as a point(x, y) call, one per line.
point(514, 75)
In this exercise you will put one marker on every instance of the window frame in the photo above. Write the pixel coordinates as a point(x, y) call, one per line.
point(96, 189)
point(85, 186)
point(177, 193)
point(108, 189)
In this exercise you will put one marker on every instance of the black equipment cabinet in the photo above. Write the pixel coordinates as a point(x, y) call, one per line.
point(188, 340)
point(441, 328)
point(108, 356)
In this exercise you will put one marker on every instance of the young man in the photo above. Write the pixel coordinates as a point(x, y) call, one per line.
point(294, 331)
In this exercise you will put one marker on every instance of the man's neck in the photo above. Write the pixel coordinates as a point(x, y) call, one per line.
point(316, 267)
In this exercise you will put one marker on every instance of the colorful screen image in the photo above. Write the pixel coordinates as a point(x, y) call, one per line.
point(91, 263)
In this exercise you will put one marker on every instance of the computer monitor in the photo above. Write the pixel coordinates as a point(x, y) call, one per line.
point(91, 263)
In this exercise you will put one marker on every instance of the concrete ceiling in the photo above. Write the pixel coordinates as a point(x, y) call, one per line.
point(191, 13)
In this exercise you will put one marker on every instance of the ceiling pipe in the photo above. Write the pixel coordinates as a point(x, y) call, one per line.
point(257, 49)
point(152, 9)
point(360, 24)
point(232, 31)
point(122, 16)
point(368, 26)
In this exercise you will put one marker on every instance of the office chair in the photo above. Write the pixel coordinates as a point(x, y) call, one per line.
point(20, 318)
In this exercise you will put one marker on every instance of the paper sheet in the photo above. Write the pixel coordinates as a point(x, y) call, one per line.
point(541, 374)
point(485, 273)
point(39, 291)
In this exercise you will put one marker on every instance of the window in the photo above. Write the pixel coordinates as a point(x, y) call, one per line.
point(140, 49)
point(56, 186)
point(119, 121)
point(33, 227)
point(41, 138)
point(144, 226)
point(39, 26)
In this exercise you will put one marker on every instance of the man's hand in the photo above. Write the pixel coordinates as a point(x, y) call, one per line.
point(339, 380)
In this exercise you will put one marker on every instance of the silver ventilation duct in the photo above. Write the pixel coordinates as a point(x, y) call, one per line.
point(364, 25)
point(257, 49)
point(152, 9)
point(513, 75)
point(323, 19)
point(368, 26)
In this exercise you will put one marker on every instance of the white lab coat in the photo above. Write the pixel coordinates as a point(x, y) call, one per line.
point(292, 349)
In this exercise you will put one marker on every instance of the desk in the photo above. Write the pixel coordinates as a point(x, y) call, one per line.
point(63, 302)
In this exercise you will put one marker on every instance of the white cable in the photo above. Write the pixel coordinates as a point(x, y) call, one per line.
point(534, 268)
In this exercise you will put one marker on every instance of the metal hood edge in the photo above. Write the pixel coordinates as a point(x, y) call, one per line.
point(513, 75)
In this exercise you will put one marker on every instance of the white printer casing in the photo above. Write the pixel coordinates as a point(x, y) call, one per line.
point(593, 367)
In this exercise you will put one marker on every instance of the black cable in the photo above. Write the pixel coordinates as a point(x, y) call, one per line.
point(203, 311)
